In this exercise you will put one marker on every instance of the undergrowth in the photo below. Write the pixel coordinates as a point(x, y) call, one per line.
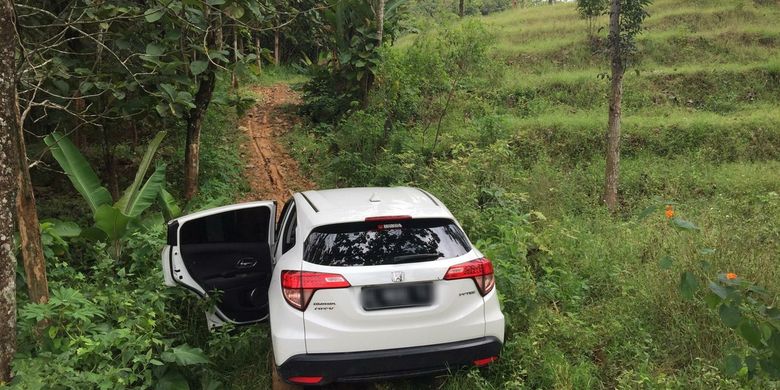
point(592, 300)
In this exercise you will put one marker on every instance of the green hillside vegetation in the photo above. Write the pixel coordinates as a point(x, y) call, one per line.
point(592, 300)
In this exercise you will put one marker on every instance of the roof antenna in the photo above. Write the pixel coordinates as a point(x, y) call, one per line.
point(374, 199)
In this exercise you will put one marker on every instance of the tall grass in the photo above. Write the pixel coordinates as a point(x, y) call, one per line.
point(588, 302)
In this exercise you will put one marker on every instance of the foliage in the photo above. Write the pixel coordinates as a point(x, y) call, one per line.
point(587, 305)
point(343, 75)
point(54, 234)
point(590, 10)
point(742, 306)
point(592, 300)
point(632, 14)
point(102, 331)
point(112, 324)
point(423, 15)
point(410, 108)
point(114, 222)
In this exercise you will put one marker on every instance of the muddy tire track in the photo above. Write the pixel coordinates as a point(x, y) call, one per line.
point(270, 170)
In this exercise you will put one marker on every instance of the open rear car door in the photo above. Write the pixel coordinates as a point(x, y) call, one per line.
point(224, 254)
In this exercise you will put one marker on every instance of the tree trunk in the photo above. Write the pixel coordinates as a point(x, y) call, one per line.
point(259, 52)
point(206, 83)
point(380, 20)
point(612, 171)
point(277, 49)
point(218, 40)
point(9, 121)
point(194, 124)
point(29, 231)
point(233, 77)
point(462, 8)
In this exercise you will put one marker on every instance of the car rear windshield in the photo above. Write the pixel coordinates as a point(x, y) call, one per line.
point(391, 242)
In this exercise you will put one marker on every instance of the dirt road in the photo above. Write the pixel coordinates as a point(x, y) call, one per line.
point(272, 173)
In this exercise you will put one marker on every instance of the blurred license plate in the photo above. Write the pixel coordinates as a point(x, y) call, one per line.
point(395, 297)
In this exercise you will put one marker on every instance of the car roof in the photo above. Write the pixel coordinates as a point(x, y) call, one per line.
point(323, 207)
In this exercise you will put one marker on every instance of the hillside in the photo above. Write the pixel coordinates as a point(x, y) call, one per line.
point(592, 299)
point(501, 116)
point(708, 79)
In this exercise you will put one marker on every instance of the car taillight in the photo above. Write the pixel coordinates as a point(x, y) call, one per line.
point(299, 286)
point(480, 270)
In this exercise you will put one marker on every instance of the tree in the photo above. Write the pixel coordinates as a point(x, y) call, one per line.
point(590, 10)
point(380, 20)
point(31, 248)
point(206, 82)
point(29, 227)
point(625, 22)
point(9, 121)
point(461, 8)
point(345, 72)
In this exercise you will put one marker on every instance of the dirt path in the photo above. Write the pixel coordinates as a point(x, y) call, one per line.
point(272, 173)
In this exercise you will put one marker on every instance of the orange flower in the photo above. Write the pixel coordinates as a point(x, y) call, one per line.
point(669, 211)
point(731, 276)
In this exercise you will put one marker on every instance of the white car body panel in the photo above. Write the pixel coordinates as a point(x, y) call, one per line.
point(287, 332)
point(456, 313)
point(494, 319)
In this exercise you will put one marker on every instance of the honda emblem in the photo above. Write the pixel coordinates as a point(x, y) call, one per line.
point(398, 276)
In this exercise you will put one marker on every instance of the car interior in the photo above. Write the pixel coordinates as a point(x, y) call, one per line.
point(228, 256)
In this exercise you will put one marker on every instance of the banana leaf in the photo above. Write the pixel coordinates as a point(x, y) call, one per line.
point(111, 221)
point(78, 170)
point(134, 200)
point(170, 208)
point(144, 197)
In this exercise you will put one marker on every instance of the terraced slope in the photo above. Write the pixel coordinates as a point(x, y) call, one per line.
point(702, 127)
point(708, 76)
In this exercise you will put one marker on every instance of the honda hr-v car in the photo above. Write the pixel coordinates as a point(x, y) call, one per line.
point(359, 284)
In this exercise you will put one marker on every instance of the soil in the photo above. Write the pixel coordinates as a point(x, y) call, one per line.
point(272, 173)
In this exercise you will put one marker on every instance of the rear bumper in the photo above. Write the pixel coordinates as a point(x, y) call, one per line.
point(390, 363)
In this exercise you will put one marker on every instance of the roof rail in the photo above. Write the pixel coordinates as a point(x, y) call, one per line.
point(316, 210)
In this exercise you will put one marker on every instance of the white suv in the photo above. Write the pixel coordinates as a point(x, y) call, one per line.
point(359, 283)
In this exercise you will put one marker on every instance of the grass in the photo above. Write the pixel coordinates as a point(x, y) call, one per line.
point(271, 75)
point(588, 303)
point(699, 32)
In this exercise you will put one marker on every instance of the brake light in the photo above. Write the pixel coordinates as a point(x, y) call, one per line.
point(484, 362)
point(480, 270)
point(299, 286)
point(305, 380)
point(389, 218)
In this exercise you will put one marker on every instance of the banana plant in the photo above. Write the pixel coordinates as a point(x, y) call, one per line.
point(114, 220)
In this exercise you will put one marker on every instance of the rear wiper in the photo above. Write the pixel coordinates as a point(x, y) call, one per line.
point(416, 257)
